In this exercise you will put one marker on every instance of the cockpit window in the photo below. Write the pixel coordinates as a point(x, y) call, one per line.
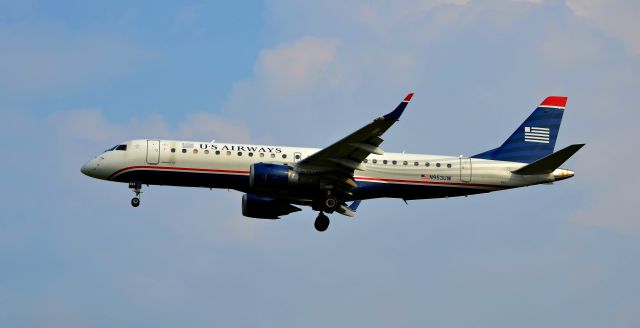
point(117, 147)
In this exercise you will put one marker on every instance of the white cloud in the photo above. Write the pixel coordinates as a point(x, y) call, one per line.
point(620, 19)
point(295, 67)
point(206, 126)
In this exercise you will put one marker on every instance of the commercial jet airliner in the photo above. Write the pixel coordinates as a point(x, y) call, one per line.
point(274, 179)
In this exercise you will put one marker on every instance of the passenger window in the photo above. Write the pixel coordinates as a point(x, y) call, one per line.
point(437, 164)
point(184, 151)
point(250, 154)
point(173, 150)
point(228, 153)
point(239, 153)
point(284, 155)
point(375, 161)
point(217, 152)
point(405, 163)
point(206, 151)
point(416, 163)
point(394, 162)
point(384, 161)
point(449, 165)
point(261, 154)
point(273, 155)
point(297, 156)
point(426, 164)
point(365, 161)
point(195, 151)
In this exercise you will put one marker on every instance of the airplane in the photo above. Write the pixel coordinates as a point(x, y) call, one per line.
point(276, 180)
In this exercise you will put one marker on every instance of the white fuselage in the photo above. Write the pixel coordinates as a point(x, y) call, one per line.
point(227, 165)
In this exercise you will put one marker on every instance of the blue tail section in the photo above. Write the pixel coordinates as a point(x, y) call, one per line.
point(535, 138)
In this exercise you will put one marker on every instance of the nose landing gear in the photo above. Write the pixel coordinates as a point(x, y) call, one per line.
point(322, 222)
point(137, 189)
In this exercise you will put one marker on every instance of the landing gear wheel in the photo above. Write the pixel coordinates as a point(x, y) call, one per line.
point(330, 204)
point(137, 189)
point(322, 222)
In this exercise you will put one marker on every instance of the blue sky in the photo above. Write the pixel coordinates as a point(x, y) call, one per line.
point(78, 77)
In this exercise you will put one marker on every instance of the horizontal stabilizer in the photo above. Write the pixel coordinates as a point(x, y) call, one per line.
point(549, 163)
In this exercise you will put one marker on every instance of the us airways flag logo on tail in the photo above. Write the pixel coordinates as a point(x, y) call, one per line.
point(535, 134)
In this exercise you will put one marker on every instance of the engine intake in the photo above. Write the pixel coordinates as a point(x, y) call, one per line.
point(261, 207)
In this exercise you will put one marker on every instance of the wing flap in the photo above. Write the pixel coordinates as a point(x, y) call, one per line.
point(372, 149)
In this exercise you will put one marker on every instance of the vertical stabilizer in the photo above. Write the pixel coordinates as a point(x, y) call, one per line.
point(535, 138)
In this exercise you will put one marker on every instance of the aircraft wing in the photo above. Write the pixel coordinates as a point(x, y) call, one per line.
point(341, 159)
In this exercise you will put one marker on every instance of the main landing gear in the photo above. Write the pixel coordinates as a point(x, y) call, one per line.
point(322, 222)
point(327, 204)
point(330, 204)
point(137, 189)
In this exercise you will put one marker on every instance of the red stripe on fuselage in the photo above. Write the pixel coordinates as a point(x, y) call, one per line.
point(173, 168)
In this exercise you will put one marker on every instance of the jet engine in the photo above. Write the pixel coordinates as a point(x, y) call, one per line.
point(261, 207)
point(267, 176)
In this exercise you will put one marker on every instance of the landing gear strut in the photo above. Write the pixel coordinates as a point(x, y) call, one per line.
point(137, 189)
point(322, 222)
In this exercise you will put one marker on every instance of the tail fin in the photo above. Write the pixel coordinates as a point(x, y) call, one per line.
point(536, 136)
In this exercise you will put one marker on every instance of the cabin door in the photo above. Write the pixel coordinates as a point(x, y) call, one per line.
point(465, 169)
point(153, 151)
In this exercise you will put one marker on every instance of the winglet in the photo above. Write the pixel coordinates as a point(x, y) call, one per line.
point(395, 115)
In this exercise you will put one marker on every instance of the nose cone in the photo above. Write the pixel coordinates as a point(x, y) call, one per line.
point(88, 168)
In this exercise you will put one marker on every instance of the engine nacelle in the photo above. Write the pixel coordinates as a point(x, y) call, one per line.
point(261, 207)
point(271, 176)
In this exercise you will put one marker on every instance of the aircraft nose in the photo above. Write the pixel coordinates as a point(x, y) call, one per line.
point(87, 168)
